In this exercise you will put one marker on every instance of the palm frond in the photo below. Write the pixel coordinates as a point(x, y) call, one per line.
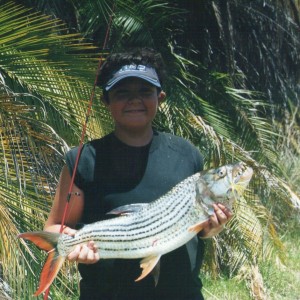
point(38, 57)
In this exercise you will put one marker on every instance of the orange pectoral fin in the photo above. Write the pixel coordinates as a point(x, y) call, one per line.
point(197, 227)
point(148, 264)
point(51, 267)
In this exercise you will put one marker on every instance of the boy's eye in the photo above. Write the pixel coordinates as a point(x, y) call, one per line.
point(122, 94)
point(146, 92)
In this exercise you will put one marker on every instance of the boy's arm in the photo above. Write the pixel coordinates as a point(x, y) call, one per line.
point(85, 253)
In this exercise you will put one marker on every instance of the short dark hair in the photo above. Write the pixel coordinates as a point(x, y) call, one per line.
point(139, 56)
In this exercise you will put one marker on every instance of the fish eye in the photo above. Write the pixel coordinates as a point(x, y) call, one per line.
point(222, 172)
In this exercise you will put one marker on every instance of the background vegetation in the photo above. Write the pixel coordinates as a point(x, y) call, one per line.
point(233, 90)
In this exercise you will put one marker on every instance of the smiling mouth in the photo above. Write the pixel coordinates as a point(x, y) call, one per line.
point(135, 111)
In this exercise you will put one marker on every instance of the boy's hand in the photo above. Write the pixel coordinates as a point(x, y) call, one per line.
point(84, 253)
point(216, 222)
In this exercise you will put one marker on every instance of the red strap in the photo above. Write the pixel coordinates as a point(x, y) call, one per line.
point(90, 104)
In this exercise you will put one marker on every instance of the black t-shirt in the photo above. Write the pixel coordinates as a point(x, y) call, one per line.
point(113, 174)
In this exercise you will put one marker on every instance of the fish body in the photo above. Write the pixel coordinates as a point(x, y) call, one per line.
point(149, 230)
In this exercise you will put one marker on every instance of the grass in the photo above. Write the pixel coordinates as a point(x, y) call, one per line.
point(281, 281)
point(224, 289)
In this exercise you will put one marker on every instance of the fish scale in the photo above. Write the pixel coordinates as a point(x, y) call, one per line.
point(150, 230)
point(166, 219)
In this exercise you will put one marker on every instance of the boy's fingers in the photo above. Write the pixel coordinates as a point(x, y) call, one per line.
point(225, 210)
point(73, 256)
point(69, 231)
point(83, 253)
point(88, 256)
point(92, 246)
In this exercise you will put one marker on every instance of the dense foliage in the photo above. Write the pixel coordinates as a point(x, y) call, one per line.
point(232, 86)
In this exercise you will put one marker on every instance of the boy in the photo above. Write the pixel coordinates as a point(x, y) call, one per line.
point(133, 164)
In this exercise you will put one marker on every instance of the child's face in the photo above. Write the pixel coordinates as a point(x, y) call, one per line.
point(133, 103)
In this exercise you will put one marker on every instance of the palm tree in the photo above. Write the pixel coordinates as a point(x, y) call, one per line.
point(43, 93)
point(47, 73)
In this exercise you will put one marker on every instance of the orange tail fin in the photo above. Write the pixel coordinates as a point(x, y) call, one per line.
point(46, 241)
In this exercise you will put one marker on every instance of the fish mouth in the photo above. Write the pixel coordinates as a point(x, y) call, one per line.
point(242, 174)
point(247, 175)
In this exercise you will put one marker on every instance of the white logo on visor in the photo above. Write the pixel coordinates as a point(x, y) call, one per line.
point(129, 68)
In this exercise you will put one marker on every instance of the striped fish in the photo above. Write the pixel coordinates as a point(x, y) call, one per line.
point(149, 230)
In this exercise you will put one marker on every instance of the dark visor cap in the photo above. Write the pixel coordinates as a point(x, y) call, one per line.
point(140, 71)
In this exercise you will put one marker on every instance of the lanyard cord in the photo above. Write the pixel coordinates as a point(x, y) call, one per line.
point(90, 104)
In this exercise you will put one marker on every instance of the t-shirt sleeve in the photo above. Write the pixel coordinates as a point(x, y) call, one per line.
point(70, 162)
point(198, 159)
point(188, 151)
